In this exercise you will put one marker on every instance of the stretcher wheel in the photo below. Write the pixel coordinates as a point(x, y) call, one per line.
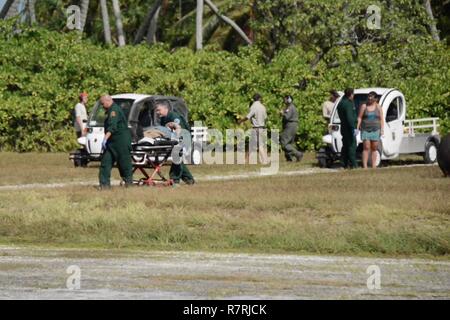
point(170, 182)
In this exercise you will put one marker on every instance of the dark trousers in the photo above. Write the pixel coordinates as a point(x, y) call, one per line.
point(348, 152)
point(116, 153)
point(180, 172)
point(287, 140)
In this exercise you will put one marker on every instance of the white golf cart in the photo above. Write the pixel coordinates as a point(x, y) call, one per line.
point(401, 136)
point(140, 111)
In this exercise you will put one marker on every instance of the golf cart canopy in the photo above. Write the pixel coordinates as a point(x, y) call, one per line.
point(139, 109)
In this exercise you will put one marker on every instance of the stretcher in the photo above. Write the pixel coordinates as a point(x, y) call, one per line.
point(153, 154)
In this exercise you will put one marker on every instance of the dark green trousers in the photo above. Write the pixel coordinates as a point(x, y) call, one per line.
point(287, 140)
point(116, 153)
point(180, 172)
point(348, 152)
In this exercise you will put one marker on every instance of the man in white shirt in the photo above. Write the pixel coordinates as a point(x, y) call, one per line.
point(327, 107)
point(81, 115)
point(258, 117)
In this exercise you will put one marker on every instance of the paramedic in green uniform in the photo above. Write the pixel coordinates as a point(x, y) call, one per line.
point(175, 122)
point(116, 145)
point(347, 114)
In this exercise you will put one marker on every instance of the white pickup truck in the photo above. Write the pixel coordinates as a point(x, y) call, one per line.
point(401, 136)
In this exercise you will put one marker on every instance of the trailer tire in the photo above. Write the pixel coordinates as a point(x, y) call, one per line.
point(430, 155)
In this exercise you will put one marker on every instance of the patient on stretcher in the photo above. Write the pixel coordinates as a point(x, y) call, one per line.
point(157, 133)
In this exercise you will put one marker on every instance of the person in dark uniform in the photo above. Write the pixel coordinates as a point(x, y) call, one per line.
point(175, 122)
point(347, 114)
point(116, 145)
point(289, 133)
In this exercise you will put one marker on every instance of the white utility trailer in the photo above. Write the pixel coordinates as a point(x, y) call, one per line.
point(401, 136)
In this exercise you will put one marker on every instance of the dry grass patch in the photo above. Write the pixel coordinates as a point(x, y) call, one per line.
point(393, 211)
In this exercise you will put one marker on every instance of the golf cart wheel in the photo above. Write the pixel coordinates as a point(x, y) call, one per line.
point(325, 163)
point(196, 155)
point(324, 158)
point(76, 163)
point(84, 163)
point(378, 163)
point(430, 155)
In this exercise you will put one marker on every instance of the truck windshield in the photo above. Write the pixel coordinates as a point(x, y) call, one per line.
point(98, 115)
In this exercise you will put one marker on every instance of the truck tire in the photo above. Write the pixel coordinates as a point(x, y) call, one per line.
point(431, 151)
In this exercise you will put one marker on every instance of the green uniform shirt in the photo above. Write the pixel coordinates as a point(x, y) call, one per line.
point(116, 123)
point(290, 114)
point(175, 117)
point(347, 114)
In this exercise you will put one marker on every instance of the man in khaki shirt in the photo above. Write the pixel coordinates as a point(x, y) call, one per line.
point(258, 117)
point(327, 107)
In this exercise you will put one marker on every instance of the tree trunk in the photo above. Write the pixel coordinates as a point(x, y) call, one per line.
point(32, 11)
point(432, 24)
point(119, 26)
point(228, 21)
point(84, 12)
point(151, 35)
point(105, 18)
point(146, 23)
point(6, 8)
point(199, 25)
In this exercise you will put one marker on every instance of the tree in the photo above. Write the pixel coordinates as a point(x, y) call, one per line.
point(222, 24)
point(432, 23)
point(119, 25)
point(145, 25)
point(32, 11)
point(228, 21)
point(323, 26)
point(151, 34)
point(6, 7)
point(84, 13)
point(199, 25)
point(105, 19)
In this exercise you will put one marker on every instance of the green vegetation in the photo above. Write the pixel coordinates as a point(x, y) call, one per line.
point(391, 211)
point(41, 73)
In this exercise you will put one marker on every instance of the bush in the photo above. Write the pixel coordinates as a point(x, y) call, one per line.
point(42, 72)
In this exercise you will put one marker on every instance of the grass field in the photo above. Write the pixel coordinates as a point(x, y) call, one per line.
point(391, 211)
